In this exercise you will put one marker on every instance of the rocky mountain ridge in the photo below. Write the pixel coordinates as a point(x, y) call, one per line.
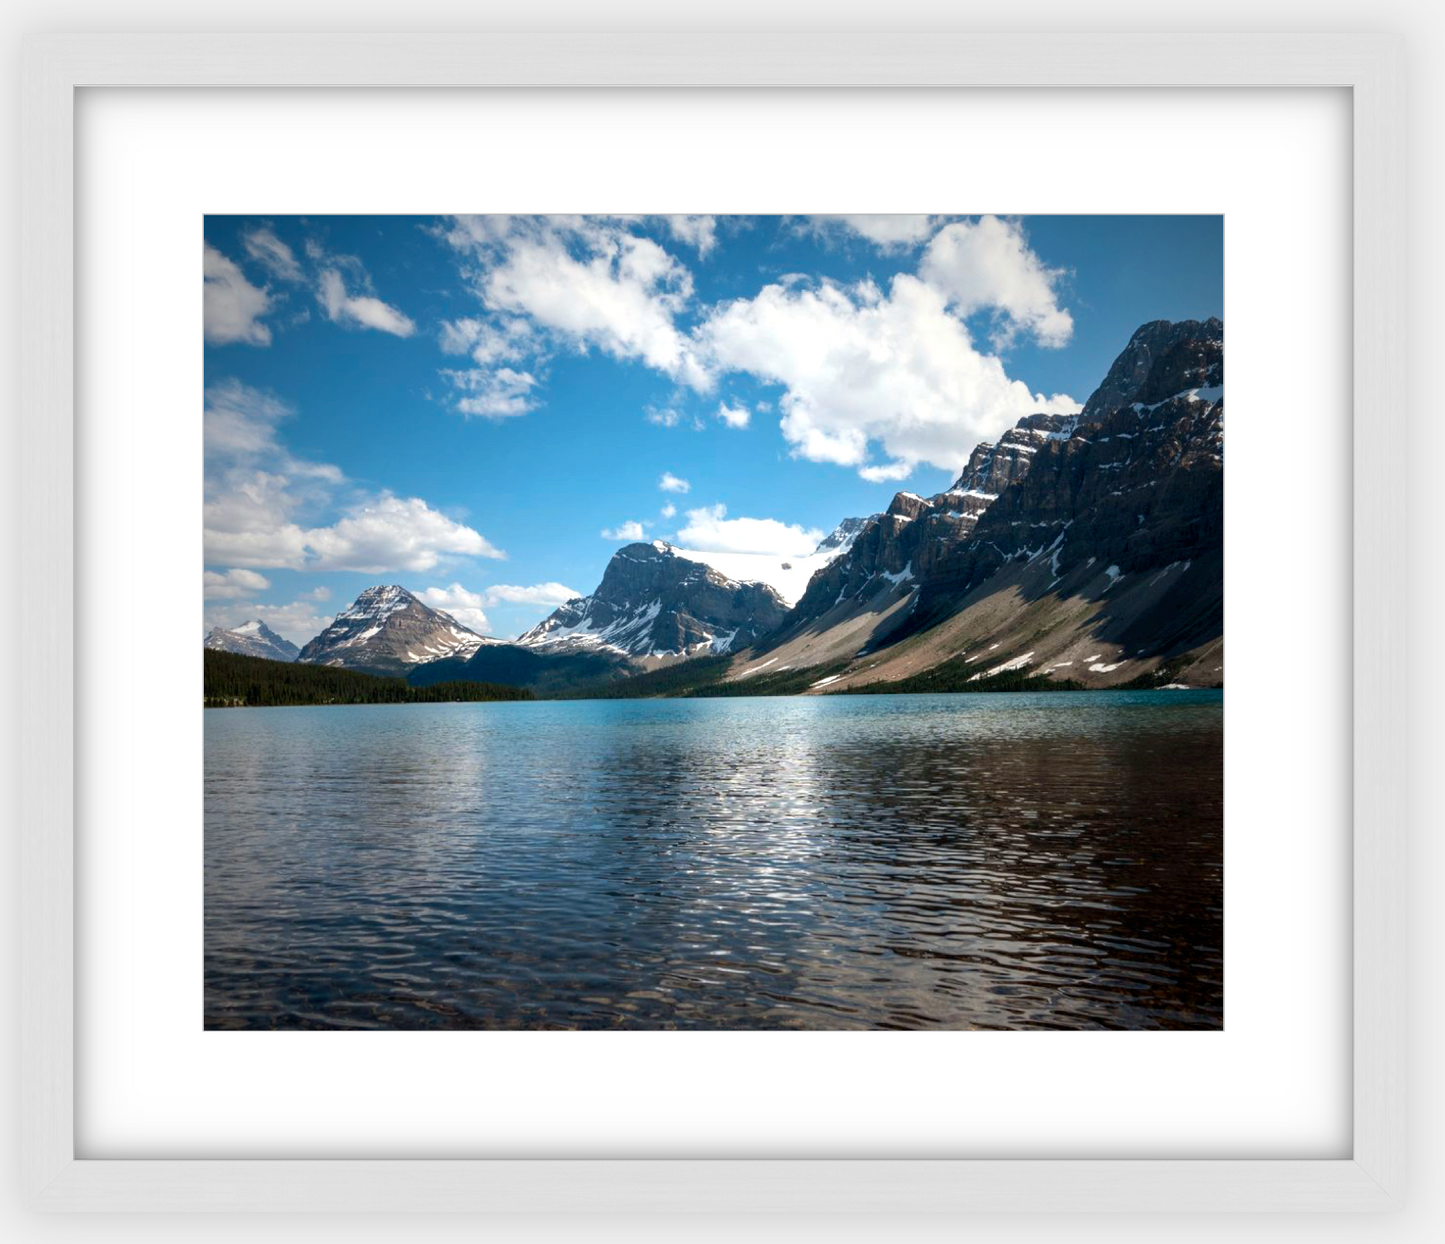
point(1061, 510)
point(653, 603)
point(1086, 547)
point(252, 639)
point(388, 630)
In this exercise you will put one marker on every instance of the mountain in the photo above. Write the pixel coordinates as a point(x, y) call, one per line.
point(387, 630)
point(841, 538)
point(252, 639)
point(1085, 547)
point(655, 604)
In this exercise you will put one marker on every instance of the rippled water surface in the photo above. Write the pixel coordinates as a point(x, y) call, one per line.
point(948, 861)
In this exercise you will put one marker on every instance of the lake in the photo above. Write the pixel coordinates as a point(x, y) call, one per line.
point(925, 861)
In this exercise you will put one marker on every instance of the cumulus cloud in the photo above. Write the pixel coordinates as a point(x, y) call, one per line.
point(464, 606)
point(387, 533)
point(735, 416)
point(875, 378)
point(469, 607)
point(504, 340)
point(886, 471)
point(232, 306)
point(273, 254)
point(669, 482)
point(588, 282)
point(499, 394)
point(669, 510)
point(860, 366)
point(233, 584)
point(630, 530)
point(264, 507)
point(890, 232)
point(699, 232)
point(987, 265)
point(710, 530)
point(358, 310)
point(549, 594)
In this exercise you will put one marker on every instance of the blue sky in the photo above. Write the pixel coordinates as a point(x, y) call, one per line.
point(484, 408)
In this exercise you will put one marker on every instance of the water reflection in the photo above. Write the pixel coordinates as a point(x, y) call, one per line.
point(1001, 861)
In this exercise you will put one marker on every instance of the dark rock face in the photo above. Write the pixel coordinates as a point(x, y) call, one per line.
point(388, 630)
point(543, 670)
point(1138, 484)
point(891, 552)
point(252, 639)
point(653, 603)
point(1160, 354)
point(992, 468)
point(904, 545)
point(842, 536)
point(1133, 483)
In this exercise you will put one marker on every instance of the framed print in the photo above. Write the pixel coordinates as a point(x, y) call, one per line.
point(735, 610)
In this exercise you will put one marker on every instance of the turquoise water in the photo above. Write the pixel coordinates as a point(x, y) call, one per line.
point(930, 861)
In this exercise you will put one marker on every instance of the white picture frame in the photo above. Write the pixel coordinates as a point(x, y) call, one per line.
point(55, 67)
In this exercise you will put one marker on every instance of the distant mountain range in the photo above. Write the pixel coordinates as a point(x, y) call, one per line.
point(1083, 549)
point(252, 639)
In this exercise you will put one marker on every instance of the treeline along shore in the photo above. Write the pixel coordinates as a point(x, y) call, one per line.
point(236, 681)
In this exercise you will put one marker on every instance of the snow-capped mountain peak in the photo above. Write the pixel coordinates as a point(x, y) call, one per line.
point(252, 639)
point(655, 601)
point(388, 630)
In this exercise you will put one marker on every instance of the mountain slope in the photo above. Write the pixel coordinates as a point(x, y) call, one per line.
point(1087, 547)
point(655, 604)
point(547, 671)
point(388, 630)
point(252, 639)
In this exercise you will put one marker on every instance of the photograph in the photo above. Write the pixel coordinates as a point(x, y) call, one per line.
point(713, 622)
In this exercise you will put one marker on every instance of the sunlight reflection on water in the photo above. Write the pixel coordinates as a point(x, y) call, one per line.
point(992, 861)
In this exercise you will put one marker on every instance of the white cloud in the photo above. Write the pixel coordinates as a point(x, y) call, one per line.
point(669, 510)
point(469, 608)
point(987, 265)
point(735, 416)
point(499, 394)
point(233, 584)
point(887, 232)
point(630, 530)
point(699, 232)
point(386, 533)
point(879, 379)
point(232, 305)
point(549, 594)
point(240, 422)
point(710, 530)
point(886, 471)
point(464, 606)
point(862, 366)
point(359, 310)
point(272, 254)
point(588, 282)
point(503, 340)
point(669, 482)
point(262, 505)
